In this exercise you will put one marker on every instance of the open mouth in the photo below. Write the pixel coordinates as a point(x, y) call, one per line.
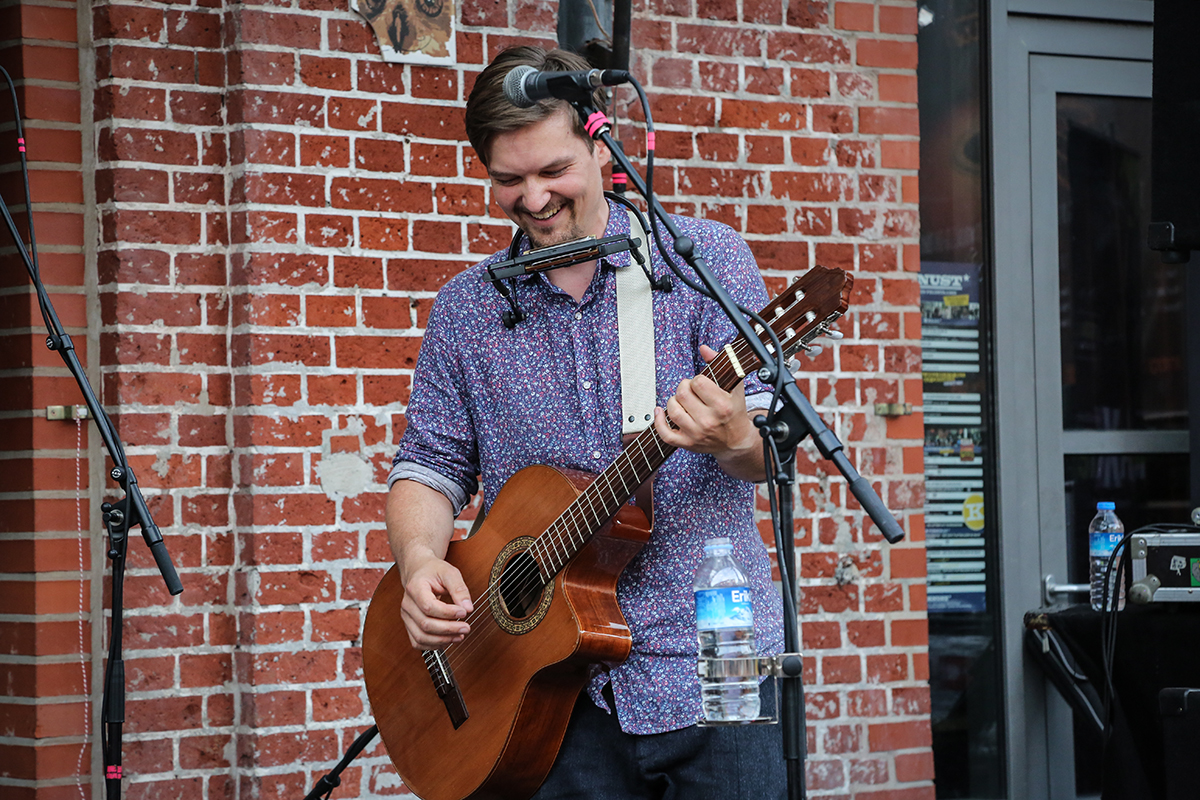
point(546, 214)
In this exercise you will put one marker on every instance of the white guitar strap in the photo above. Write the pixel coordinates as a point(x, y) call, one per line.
point(635, 324)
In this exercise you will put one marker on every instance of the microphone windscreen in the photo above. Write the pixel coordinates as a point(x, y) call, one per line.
point(514, 86)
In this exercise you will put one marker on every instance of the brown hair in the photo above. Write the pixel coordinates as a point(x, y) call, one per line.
point(489, 112)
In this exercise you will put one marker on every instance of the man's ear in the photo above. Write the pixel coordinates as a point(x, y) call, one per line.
point(602, 153)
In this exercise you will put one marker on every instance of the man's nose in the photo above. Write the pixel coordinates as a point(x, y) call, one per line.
point(537, 194)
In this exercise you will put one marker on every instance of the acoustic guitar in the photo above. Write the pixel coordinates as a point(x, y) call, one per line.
point(484, 717)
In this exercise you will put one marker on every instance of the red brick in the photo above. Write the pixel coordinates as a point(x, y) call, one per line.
point(359, 584)
point(808, 13)
point(886, 120)
point(887, 668)
point(423, 120)
point(854, 16)
point(381, 78)
point(898, 19)
point(762, 12)
point(125, 102)
point(336, 703)
point(897, 88)
point(433, 83)
point(158, 64)
point(821, 635)
point(898, 735)
point(458, 200)
point(327, 230)
point(912, 767)
point(251, 106)
point(911, 700)
point(887, 53)
point(340, 625)
point(907, 562)
point(807, 48)
point(291, 588)
point(324, 151)
point(762, 115)
point(333, 74)
point(873, 771)
point(383, 233)
point(688, 110)
point(840, 669)
point(148, 756)
point(866, 633)
point(149, 145)
point(157, 227)
point(883, 598)
point(358, 272)
point(381, 195)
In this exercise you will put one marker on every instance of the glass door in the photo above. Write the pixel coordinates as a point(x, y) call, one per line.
point(1109, 394)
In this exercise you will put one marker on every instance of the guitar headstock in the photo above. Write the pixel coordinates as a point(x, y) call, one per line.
point(805, 309)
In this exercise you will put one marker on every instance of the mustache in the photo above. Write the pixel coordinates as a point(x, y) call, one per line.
point(523, 209)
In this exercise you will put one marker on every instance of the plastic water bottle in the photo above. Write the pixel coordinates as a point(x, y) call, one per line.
point(1104, 534)
point(725, 627)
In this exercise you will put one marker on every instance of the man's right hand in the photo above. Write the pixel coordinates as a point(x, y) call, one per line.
point(436, 604)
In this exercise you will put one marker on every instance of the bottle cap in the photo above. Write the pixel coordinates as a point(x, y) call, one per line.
point(717, 542)
point(1105, 506)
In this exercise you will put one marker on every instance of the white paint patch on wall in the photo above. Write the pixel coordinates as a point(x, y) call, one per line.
point(343, 474)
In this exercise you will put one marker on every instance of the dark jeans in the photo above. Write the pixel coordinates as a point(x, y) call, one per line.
point(599, 761)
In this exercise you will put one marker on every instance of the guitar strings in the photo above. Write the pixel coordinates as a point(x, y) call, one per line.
point(529, 580)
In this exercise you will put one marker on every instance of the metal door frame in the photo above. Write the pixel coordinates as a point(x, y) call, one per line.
point(1021, 33)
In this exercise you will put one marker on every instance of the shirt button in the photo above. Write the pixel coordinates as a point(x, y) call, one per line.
point(587, 384)
point(578, 315)
point(595, 454)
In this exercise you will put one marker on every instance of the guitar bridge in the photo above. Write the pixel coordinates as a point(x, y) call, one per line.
point(446, 686)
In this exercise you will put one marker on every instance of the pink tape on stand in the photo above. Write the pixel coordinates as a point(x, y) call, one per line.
point(595, 122)
point(649, 140)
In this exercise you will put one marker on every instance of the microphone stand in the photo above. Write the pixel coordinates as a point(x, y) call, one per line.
point(795, 420)
point(118, 518)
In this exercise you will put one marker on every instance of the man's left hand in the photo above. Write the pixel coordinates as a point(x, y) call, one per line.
point(704, 418)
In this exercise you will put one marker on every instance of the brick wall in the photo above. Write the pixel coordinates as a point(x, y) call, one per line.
point(273, 210)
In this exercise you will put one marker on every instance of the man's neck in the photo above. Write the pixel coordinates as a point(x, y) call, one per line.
point(575, 279)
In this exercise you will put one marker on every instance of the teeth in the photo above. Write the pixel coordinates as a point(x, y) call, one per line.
point(545, 214)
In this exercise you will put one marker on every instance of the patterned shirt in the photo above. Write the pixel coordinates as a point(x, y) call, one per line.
point(487, 401)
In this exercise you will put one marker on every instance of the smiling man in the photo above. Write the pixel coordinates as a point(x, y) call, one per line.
point(488, 401)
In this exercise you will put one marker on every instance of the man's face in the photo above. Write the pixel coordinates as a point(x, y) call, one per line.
point(548, 182)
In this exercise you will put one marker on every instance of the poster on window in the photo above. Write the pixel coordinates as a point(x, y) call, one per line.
point(954, 443)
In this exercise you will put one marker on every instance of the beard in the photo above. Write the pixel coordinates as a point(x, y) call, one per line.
point(568, 229)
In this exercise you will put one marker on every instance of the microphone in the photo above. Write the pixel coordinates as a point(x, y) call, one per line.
point(524, 86)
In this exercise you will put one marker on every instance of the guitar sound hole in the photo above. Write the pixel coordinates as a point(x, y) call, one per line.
point(521, 586)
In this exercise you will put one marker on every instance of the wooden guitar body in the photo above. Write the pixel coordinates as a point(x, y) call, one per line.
point(519, 674)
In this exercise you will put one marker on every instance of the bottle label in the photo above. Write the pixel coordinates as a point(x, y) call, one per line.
point(724, 607)
point(1102, 543)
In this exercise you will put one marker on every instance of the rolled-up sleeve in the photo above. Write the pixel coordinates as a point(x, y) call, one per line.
point(438, 448)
